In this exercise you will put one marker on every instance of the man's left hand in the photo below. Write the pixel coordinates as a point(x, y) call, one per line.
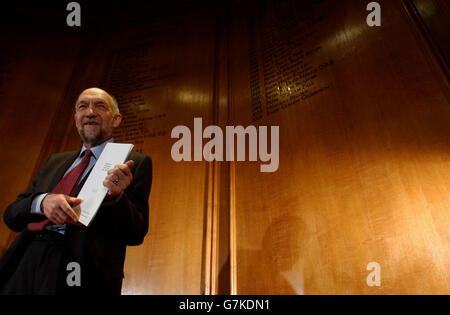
point(118, 179)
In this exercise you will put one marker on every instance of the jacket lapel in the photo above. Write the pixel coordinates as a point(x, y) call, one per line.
point(80, 185)
point(61, 167)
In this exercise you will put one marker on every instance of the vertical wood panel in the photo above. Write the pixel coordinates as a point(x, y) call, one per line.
point(174, 253)
point(162, 76)
point(32, 89)
point(363, 152)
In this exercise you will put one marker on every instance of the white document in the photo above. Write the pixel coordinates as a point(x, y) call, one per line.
point(93, 192)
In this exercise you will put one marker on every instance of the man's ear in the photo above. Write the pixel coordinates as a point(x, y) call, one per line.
point(75, 118)
point(117, 120)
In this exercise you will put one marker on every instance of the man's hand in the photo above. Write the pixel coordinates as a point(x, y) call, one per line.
point(58, 208)
point(118, 179)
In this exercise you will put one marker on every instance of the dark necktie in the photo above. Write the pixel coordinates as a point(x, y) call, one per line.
point(67, 186)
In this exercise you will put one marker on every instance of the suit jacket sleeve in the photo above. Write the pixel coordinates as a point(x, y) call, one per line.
point(18, 214)
point(126, 220)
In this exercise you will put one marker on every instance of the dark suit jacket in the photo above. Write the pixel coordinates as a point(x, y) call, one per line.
point(99, 248)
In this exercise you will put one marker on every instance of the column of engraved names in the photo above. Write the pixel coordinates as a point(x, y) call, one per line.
point(288, 40)
point(129, 131)
point(255, 91)
point(134, 74)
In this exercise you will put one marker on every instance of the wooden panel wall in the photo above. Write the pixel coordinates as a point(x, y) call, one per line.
point(31, 90)
point(364, 143)
point(162, 76)
point(181, 62)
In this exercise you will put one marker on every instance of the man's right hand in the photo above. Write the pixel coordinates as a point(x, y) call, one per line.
point(58, 208)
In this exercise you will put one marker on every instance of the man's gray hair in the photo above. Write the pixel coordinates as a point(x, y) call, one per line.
point(115, 105)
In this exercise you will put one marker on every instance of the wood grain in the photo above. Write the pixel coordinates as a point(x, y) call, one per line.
point(364, 166)
point(31, 94)
point(364, 142)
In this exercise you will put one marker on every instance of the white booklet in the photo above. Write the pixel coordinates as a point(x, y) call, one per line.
point(93, 192)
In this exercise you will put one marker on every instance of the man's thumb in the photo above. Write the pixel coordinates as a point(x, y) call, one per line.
point(74, 201)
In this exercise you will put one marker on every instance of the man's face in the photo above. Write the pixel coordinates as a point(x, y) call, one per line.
point(94, 117)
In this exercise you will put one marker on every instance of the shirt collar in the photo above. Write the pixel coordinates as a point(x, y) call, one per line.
point(97, 150)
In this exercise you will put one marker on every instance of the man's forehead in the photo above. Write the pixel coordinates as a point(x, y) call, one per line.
point(95, 94)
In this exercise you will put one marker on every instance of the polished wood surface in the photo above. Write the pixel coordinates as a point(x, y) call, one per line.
point(364, 165)
point(364, 142)
point(31, 90)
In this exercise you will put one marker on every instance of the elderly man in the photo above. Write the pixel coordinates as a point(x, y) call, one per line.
point(55, 254)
